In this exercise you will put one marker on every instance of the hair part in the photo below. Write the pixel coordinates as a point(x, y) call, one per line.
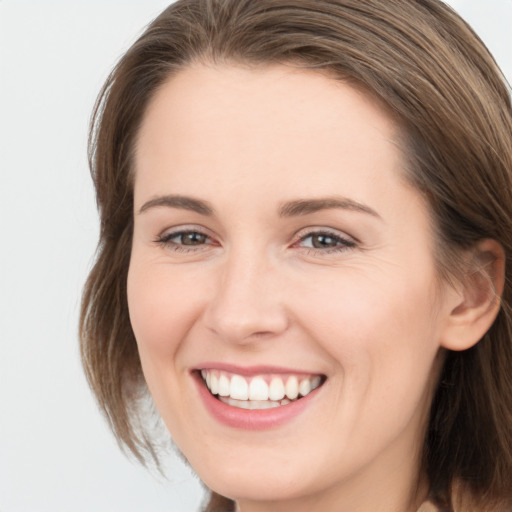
point(442, 85)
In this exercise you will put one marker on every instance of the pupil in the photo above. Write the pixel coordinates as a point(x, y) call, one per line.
point(322, 241)
point(193, 239)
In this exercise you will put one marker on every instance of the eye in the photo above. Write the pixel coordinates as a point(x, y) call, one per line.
point(325, 241)
point(184, 240)
point(189, 238)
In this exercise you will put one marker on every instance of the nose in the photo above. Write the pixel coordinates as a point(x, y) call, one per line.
point(247, 303)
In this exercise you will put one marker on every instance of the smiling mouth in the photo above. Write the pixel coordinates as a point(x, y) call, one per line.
point(264, 391)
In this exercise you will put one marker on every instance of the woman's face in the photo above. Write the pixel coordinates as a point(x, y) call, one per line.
point(278, 250)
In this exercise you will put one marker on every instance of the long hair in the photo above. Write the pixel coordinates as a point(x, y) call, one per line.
point(443, 87)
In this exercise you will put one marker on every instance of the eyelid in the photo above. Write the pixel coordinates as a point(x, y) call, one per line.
point(176, 230)
point(185, 228)
point(315, 230)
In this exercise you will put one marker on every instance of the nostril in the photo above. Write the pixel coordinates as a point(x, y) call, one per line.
point(242, 337)
point(262, 334)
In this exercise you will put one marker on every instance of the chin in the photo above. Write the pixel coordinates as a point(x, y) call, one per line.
point(245, 486)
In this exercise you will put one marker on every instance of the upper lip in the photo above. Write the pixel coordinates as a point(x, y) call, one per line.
point(250, 371)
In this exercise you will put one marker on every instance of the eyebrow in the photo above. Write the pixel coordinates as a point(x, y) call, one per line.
point(289, 209)
point(308, 206)
point(176, 201)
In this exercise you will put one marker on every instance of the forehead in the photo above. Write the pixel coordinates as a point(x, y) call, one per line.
point(249, 97)
point(279, 126)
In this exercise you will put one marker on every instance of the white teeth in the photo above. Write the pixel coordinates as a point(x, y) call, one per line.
point(292, 388)
point(305, 387)
point(214, 384)
point(256, 393)
point(276, 389)
point(239, 389)
point(224, 387)
point(258, 389)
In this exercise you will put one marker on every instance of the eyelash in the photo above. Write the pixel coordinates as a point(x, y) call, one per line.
point(342, 244)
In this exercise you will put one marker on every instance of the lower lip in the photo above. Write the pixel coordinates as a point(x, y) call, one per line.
point(252, 419)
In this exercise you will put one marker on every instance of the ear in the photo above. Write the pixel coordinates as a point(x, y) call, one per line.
point(475, 302)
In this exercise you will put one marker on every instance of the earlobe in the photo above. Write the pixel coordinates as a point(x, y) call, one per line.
point(477, 299)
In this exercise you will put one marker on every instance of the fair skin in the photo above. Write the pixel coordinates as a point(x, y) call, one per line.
point(289, 257)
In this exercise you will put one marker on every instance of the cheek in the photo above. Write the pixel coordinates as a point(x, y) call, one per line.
point(162, 308)
point(361, 310)
point(380, 334)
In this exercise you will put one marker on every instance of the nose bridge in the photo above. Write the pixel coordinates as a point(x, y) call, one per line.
point(247, 304)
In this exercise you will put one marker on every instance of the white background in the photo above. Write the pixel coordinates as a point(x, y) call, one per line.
point(56, 453)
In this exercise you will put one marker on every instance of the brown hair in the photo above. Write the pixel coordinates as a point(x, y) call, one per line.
point(441, 83)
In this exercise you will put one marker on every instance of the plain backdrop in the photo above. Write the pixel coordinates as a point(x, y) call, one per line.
point(56, 453)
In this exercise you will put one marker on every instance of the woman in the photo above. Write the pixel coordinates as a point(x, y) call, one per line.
point(306, 210)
